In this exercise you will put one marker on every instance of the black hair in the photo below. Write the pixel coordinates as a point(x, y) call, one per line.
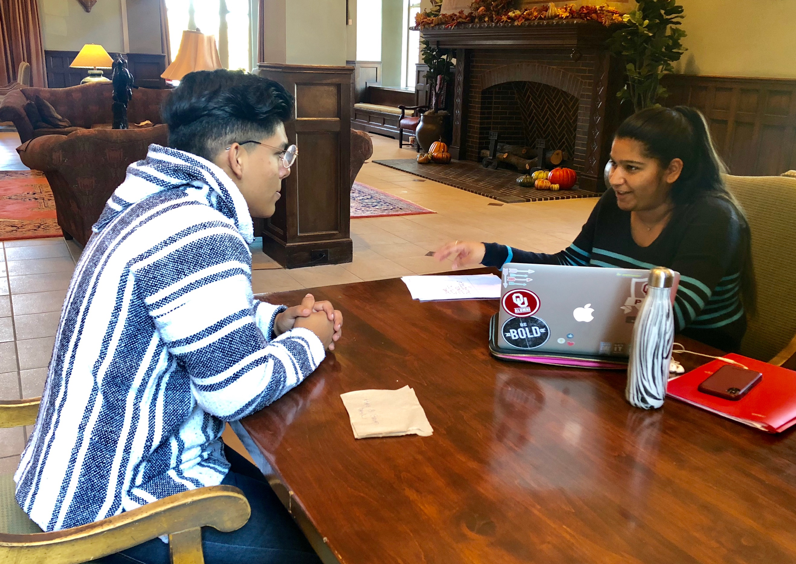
point(682, 133)
point(211, 109)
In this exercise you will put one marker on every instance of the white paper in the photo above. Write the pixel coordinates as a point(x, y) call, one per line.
point(472, 287)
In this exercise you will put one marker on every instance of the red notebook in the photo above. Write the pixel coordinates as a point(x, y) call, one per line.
point(769, 406)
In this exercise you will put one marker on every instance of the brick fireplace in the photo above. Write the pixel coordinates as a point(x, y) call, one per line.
point(546, 79)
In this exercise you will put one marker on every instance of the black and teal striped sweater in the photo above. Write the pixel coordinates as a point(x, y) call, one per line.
point(703, 242)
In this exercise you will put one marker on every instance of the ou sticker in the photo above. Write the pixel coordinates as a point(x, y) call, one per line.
point(521, 303)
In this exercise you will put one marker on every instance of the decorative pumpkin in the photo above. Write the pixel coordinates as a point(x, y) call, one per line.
point(542, 184)
point(555, 187)
point(564, 177)
point(540, 175)
point(441, 158)
point(438, 147)
point(424, 158)
point(526, 181)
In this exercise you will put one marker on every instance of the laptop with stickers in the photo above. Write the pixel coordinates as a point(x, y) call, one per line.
point(583, 316)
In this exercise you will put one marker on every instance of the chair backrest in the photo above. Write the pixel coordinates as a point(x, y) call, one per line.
point(769, 203)
point(23, 74)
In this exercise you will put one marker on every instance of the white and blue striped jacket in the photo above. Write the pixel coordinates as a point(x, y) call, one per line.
point(160, 342)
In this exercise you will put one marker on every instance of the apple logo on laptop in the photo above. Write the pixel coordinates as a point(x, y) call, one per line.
point(583, 313)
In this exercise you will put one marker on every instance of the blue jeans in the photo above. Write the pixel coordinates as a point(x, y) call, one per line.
point(270, 536)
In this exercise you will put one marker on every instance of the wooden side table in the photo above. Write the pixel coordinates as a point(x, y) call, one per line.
point(311, 225)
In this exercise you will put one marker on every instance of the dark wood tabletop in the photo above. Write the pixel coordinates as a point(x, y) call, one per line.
point(526, 464)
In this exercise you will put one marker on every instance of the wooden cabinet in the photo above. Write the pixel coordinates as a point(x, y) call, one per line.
point(311, 225)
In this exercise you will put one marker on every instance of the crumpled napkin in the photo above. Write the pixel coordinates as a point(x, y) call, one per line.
point(386, 413)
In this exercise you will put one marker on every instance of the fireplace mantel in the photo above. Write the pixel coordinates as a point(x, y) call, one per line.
point(554, 34)
point(566, 54)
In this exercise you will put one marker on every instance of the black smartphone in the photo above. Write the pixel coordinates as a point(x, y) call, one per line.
point(730, 382)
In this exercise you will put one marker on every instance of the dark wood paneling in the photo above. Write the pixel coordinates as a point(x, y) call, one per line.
point(365, 72)
point(314, 205)
point(385, 96)
point(422, 88)
point(752, 120)
point(145, 67)
point(312, 220)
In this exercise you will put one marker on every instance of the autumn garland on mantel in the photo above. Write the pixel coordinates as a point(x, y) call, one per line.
point(500, 12)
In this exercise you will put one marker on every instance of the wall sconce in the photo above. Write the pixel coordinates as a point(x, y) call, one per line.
point(87, 4)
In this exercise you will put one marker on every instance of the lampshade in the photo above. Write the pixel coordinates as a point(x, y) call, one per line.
point(197, 52)
point(92, 56)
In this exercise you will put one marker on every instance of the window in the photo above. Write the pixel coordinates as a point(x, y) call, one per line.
point(369, 30)
point(411, 42)
point(227, 20)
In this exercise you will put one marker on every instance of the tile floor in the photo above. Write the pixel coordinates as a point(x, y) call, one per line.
point(34, 274)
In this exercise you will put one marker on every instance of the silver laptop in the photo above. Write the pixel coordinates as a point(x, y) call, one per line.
point(569, 310)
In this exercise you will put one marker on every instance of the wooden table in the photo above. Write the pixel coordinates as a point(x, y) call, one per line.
point(526, 464)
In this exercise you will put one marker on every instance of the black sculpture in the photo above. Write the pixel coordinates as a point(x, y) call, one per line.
point(122, 92)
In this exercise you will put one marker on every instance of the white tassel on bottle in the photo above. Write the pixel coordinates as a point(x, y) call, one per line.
point(653, 338)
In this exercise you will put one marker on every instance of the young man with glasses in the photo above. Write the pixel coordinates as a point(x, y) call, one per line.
point(161, 341)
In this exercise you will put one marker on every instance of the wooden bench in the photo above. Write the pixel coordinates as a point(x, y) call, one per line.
point(384, 110)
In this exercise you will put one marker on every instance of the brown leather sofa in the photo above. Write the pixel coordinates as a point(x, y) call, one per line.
point(88, 106)
point(85, 167)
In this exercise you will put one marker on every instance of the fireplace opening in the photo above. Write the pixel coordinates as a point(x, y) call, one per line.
point(523, 112)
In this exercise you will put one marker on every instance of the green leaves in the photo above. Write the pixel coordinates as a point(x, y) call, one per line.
point(647, 43)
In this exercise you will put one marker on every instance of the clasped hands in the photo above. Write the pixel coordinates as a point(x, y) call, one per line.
point(319, 317)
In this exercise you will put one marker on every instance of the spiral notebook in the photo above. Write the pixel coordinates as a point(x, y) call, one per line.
point(770, 406)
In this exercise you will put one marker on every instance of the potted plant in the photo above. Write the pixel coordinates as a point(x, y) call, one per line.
point(648, 43)
point(432, 124)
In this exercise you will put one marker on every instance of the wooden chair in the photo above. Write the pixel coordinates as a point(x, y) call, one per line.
point(769, 203)
point(22, 81)
point(409, 123)
point(180, 516)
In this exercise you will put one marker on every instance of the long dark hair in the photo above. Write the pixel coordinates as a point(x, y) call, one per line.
point(682, 133)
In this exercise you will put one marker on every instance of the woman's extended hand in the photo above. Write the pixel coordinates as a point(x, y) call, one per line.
point(464, 254)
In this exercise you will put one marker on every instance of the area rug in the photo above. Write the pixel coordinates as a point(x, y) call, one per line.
point(500, 185)
point(27, 209)
point(367, 201)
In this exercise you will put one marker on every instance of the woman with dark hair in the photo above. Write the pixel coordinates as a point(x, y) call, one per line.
point(668, 206)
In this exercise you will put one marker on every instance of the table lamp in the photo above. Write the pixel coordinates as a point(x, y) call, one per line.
point(93, 57)
point(197, 52)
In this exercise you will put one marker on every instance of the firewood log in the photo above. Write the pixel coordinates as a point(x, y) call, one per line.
point(551, 157)
point(517, 150)
point(520, 164)
point(554, 158)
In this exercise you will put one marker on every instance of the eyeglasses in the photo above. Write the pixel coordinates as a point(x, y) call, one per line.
point(287, 157)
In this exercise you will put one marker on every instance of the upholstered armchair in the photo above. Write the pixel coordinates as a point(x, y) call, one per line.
point(85, 167)
point(361, 150)
point(769, 203)
point(179, 516)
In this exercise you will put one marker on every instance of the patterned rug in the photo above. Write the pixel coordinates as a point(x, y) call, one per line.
point(27, 209)
point(366, 201)
point(500, 185)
